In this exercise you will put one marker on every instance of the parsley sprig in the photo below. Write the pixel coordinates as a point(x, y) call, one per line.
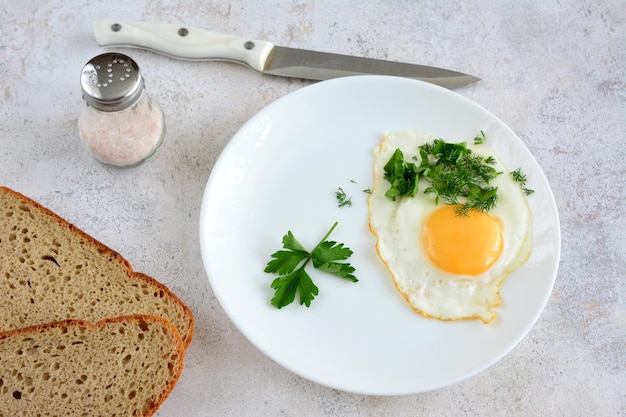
point(290, 264)
point(453, 173)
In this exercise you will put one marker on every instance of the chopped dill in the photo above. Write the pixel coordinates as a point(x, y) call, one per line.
point(342, 198)
point(520, 178)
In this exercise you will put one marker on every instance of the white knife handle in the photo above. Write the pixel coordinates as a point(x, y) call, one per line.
point(183, 42)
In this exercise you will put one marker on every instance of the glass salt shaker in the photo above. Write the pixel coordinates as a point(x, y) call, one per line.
point(119, 124)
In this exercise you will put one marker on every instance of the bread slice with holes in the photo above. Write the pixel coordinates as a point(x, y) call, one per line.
point(50, 271)
point(123, 366)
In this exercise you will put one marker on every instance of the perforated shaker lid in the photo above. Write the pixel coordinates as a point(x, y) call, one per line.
point(111, 82)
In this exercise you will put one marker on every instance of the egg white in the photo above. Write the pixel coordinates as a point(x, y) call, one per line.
point(398, 228)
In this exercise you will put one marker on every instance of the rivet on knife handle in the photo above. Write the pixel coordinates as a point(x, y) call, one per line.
point(183, 42)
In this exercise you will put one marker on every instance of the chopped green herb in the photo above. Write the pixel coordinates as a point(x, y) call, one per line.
point(290, 265)
point(403, 176)
point(478, 140)
point(368, 190)
point(452, 172)
point(520, 178)
point(342, 198)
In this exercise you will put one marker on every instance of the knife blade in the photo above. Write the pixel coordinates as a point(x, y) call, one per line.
point(189, 43)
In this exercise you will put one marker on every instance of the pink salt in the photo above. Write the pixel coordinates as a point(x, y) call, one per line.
point(125, 137)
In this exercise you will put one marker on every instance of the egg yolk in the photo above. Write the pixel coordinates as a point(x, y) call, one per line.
point(465, 245)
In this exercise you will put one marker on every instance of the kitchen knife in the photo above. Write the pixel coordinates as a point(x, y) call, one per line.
point(190, 43)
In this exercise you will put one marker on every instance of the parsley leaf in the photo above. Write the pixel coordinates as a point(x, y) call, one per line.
point(290, 264)
point(286, 261)
point(325, 256)
point(286, 287)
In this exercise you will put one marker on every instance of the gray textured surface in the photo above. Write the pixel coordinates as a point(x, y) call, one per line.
point(554, 71)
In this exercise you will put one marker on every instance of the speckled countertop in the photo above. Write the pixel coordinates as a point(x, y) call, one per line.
point(554, 71)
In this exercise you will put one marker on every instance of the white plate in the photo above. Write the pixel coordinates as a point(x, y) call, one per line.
point(280, 173)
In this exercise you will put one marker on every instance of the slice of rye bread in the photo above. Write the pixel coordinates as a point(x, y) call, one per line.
point(51, 271)
point(122, 366)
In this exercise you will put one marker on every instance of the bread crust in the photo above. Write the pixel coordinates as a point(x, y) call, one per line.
point(30, 296)
point(123, 366)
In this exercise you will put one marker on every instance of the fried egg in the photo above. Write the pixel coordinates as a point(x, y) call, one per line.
point(446, 266)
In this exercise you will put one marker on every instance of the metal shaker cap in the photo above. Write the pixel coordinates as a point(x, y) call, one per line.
point(111, 82)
